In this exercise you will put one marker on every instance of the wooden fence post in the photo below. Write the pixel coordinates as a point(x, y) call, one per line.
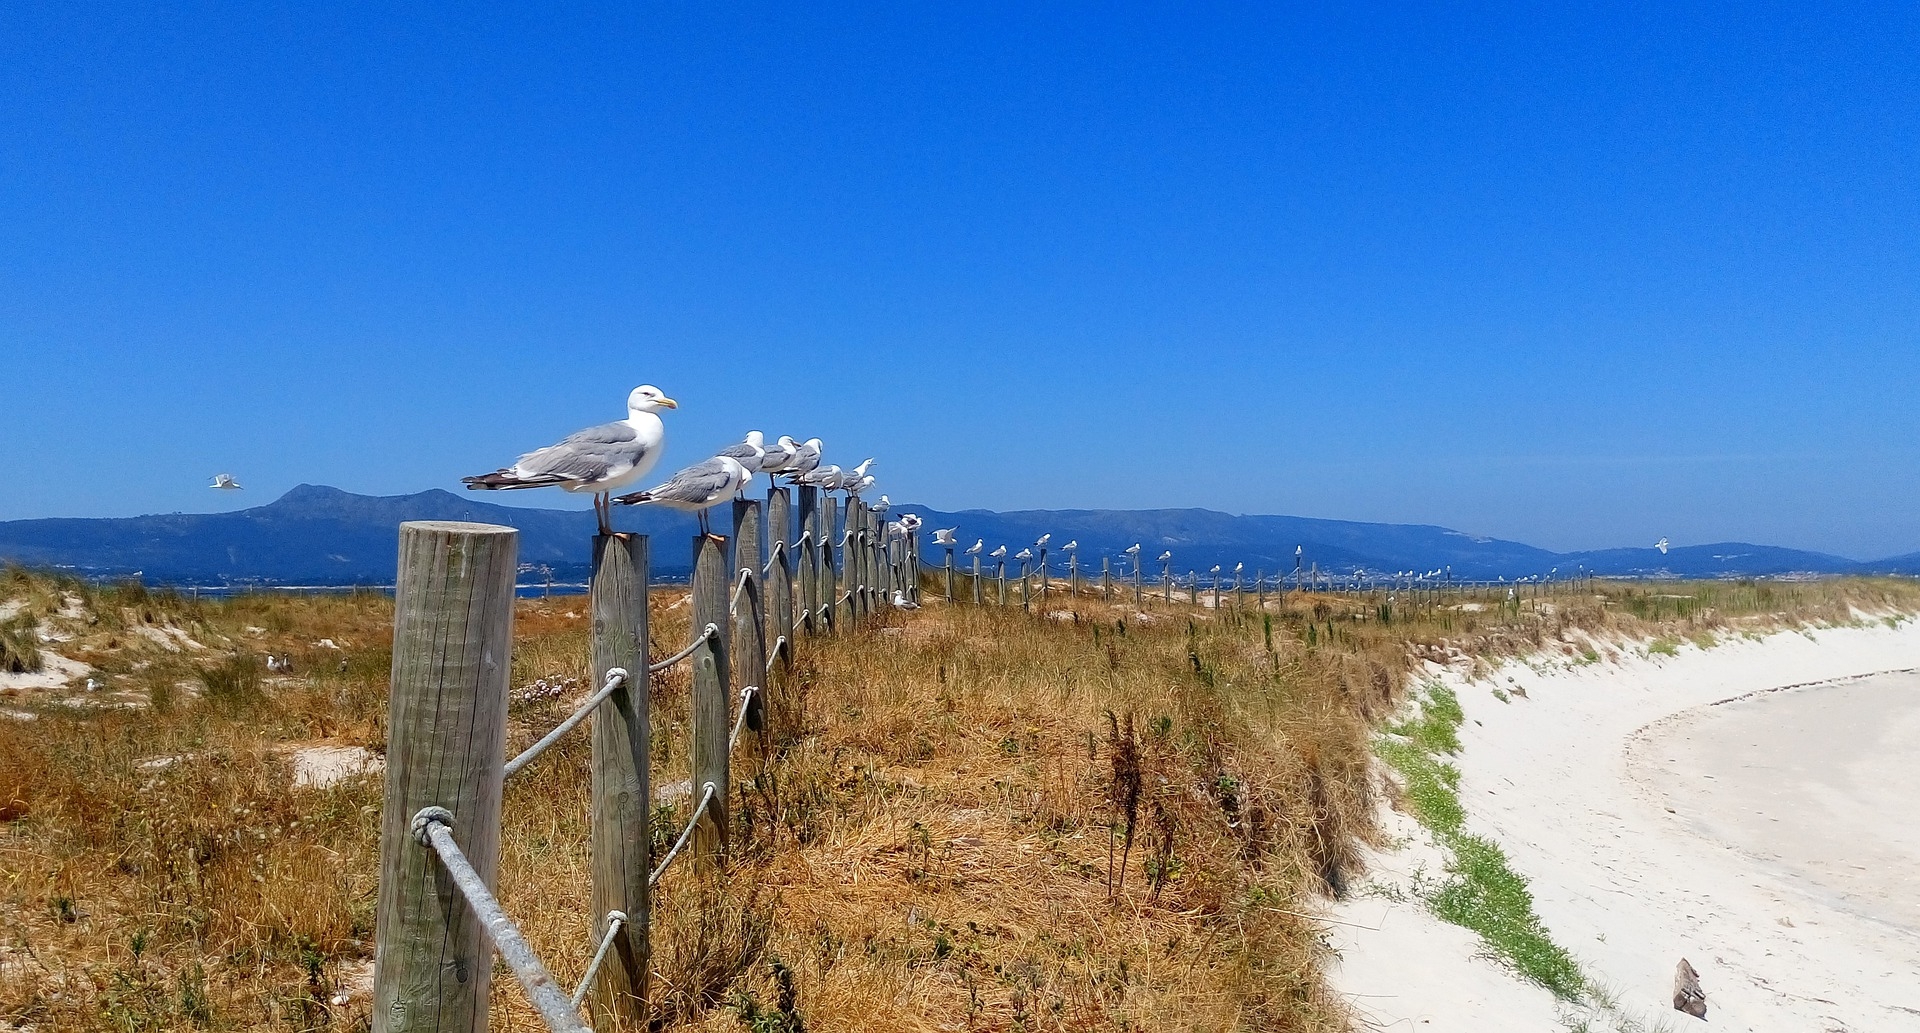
point(780, 581)
point(809, 558)
point(619, 839)
point(949, 573)
point(710, 711)
point(1026, 587)
point(979, 590)
point(1106, 579)
point(446, 747)
point(748, 656)
point(1000, 572)
point(1043, 576)
point(830, 555)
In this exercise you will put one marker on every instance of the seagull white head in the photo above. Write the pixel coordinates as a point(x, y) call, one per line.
point(647, 398)
point(861, 470)
point(756, 439)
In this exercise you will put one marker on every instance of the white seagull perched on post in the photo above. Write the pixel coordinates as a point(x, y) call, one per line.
point(696, 489)
point(1000, 553)
point(750, 452)
point(599, 460)
point(1042, 543)
point(224, 482)
point(978, 544)
point(880, 508)
point(780, 457)
point(825, 478)
point(806, 459)
point(944, 536)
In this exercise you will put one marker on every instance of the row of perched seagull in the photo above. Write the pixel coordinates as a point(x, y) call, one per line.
point(601, 460)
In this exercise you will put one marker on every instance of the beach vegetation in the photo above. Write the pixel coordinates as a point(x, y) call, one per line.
point(1481, 890)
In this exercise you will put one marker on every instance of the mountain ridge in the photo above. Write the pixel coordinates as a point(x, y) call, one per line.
point(316, 534)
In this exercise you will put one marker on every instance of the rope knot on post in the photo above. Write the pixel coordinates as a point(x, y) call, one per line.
point(425, 819)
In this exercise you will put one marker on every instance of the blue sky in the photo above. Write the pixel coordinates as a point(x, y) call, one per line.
point(1581, 279)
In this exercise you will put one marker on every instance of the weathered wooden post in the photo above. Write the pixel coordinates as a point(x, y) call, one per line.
point(1026, 590)
point(710, 711)
point(831, 557)
point(1043, 575)
point(809, 558)
point(1106, 579)
point(979, 590)
point(1000, 570)
point(446, 747)
point(619, 844)
point(748, 657)
point(949, 573)
point(780, 579)
point(1260, 588)
point(854, 558)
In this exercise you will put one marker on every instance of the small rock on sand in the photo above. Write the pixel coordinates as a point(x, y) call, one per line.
point(322, 766)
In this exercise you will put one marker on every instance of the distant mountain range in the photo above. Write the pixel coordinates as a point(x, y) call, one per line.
point(315, 535)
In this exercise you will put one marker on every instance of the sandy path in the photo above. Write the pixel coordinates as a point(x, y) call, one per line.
point(1631, 887)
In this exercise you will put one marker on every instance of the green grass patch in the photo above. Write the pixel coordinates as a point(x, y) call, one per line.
point(1665, 645)
point(1481, 891)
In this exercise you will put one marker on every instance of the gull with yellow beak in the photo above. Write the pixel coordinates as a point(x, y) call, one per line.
point(599, 460)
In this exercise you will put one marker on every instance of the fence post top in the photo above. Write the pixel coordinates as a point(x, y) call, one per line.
point(426, 818)
point(456, 527)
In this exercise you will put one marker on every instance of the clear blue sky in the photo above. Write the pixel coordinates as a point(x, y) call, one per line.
point(1579, 279)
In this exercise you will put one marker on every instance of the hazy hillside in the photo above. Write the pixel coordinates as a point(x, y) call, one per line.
point(321, 535)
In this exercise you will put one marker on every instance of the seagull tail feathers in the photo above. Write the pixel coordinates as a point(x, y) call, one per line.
point(633, 498)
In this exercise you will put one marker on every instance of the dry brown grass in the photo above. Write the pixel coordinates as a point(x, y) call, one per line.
point(937, 839)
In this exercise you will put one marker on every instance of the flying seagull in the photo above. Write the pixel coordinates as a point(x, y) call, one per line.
point(944, 536)
point(1661, 544)
point(599, 459)
point(696, 489)
point(224, 482)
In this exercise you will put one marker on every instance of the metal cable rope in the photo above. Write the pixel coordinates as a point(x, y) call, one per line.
point(712, 631)
point(432, 827)
point(615, 919)
point(616, 677)
point(706, 797)
point(733, 738)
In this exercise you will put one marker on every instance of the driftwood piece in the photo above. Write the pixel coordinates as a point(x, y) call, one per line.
point(1687, 995)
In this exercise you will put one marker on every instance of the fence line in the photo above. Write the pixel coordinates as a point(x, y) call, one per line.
point(794, 572)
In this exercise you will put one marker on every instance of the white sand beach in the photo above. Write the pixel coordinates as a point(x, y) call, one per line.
point(1749, 807)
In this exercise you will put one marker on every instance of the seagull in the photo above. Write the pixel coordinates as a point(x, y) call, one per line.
point(1165, 556)
point(1023, 555)
point(780, 457)
point(599, 459)
point(883, 505)
point(1071, 546)
point(900, 601)
point(861, 485)
point(1661, 544)
point(806, 459)
point(1000, 553)
point(751, 453)
point(823, 477)
point(911, 522)
point(855, 481)
point(978, 544)
point(944, 536)
point(224, 482)
point(1042, 543)
point(696, 489)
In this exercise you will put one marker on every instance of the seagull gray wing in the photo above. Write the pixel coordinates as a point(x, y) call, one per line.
point(696, 484)
point(587, 455)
